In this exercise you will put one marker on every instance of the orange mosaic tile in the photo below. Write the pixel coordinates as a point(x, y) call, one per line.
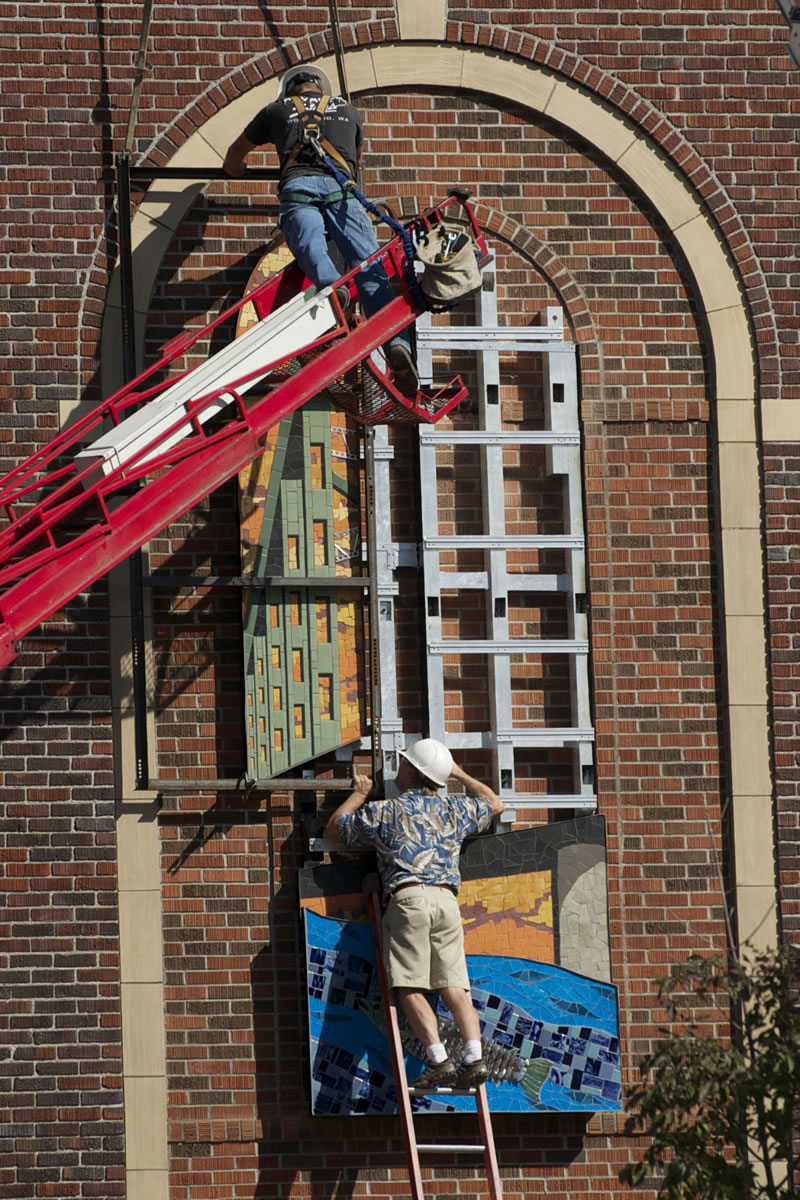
point(315, 462)
point(299, 718)
point(352, 675)
point(323, 621)
point(351, 906)
point(320, 544)
point(509, 915)
point(324, 684)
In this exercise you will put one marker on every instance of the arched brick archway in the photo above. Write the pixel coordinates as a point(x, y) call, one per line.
point(640, 145)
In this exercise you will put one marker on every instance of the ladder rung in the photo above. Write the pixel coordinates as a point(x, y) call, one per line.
point(451, 1148)
point(441, 1091)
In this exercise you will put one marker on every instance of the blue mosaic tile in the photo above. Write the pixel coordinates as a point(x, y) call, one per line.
point(585, 1069)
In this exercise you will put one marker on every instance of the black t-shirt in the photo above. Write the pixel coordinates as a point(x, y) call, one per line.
point(279, 123)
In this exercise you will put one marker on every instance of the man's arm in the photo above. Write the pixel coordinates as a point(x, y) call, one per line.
point(476, 788)
point(361, 788)
point(237, 152)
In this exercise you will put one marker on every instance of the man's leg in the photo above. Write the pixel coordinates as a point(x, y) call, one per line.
point(440, 1071)
point(473, 1071)
point(449, 970)
point(460, 1004)
point(419, 1014)
point(352, 231)
point(303, 226)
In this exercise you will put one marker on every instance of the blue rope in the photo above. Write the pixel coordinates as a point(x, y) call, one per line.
point(347, 185)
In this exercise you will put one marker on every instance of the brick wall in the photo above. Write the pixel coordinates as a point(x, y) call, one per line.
point(718, 93)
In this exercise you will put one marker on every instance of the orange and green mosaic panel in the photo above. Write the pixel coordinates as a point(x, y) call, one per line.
point(304, 648)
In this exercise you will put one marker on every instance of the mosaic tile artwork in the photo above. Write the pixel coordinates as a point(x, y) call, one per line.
point(300, 514)
point(550, 1034)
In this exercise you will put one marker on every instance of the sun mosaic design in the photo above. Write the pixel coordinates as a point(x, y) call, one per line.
point(550, 1036)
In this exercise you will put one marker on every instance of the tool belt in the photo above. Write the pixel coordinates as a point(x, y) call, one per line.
point(450, 260)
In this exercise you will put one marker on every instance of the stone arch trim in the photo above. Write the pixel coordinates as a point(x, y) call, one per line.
point(523, 48)
point(557, 274)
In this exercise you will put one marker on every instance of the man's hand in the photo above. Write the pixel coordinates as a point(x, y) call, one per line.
point(362, 786)
point(362, 783)
point(233, 163)
point(475, 788)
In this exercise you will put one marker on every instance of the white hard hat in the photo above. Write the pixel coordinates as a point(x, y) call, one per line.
point(303, 69)
point(431, 758)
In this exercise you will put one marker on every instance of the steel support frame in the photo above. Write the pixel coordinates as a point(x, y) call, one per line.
point(561, 437)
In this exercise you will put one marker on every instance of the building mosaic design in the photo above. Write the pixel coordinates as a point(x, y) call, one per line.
point(300, 517)
point(550, 1034)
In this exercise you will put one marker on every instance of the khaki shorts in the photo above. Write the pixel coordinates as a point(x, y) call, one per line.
point(423, 940)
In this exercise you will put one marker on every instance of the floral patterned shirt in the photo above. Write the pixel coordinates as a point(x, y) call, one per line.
point(417, 836)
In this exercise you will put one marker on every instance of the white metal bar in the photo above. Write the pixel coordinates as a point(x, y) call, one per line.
point(521, 541)
point(512, 646)
point(492, 437)
point(547, 736)
point(298, 323)
point(499, 338)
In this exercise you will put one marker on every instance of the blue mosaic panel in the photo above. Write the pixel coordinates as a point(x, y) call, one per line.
point(556, 1032)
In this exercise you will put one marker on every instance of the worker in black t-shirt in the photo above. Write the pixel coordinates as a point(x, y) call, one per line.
point(313, 205)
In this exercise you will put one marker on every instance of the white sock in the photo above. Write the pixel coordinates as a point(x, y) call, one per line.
point(472, 1051)
point(436, 1053)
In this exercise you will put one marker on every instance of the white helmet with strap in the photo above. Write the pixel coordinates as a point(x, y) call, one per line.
point(312, 73)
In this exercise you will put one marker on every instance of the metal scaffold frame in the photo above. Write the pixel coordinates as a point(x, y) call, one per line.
point(561, 438)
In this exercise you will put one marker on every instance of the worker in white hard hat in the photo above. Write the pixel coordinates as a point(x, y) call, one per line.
point(417, 838)
point(313, 205)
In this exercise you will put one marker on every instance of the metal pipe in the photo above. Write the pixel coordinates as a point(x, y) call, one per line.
point(256, 581)
point(337, 48)
point(135, 571)
point(153, 172)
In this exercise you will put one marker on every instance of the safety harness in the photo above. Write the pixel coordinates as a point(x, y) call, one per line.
point(312, 128)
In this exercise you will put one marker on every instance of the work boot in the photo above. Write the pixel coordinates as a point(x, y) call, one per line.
point(436, 1075)
point(343, 296)
point(472, 1075)
point(404, 369)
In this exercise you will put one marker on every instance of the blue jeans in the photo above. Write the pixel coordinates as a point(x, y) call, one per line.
point(307, 227)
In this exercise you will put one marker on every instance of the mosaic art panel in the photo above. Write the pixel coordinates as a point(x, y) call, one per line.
point(550, 1034)
point(300, 515)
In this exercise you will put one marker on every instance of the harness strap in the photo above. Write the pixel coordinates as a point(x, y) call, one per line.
point(312, 124)
point(402, 233)
point(320, 201)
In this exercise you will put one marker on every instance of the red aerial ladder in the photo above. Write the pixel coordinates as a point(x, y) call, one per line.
point(143, 457)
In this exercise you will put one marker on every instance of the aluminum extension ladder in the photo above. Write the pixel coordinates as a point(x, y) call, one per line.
point(142, 458)
point(413, 1148)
